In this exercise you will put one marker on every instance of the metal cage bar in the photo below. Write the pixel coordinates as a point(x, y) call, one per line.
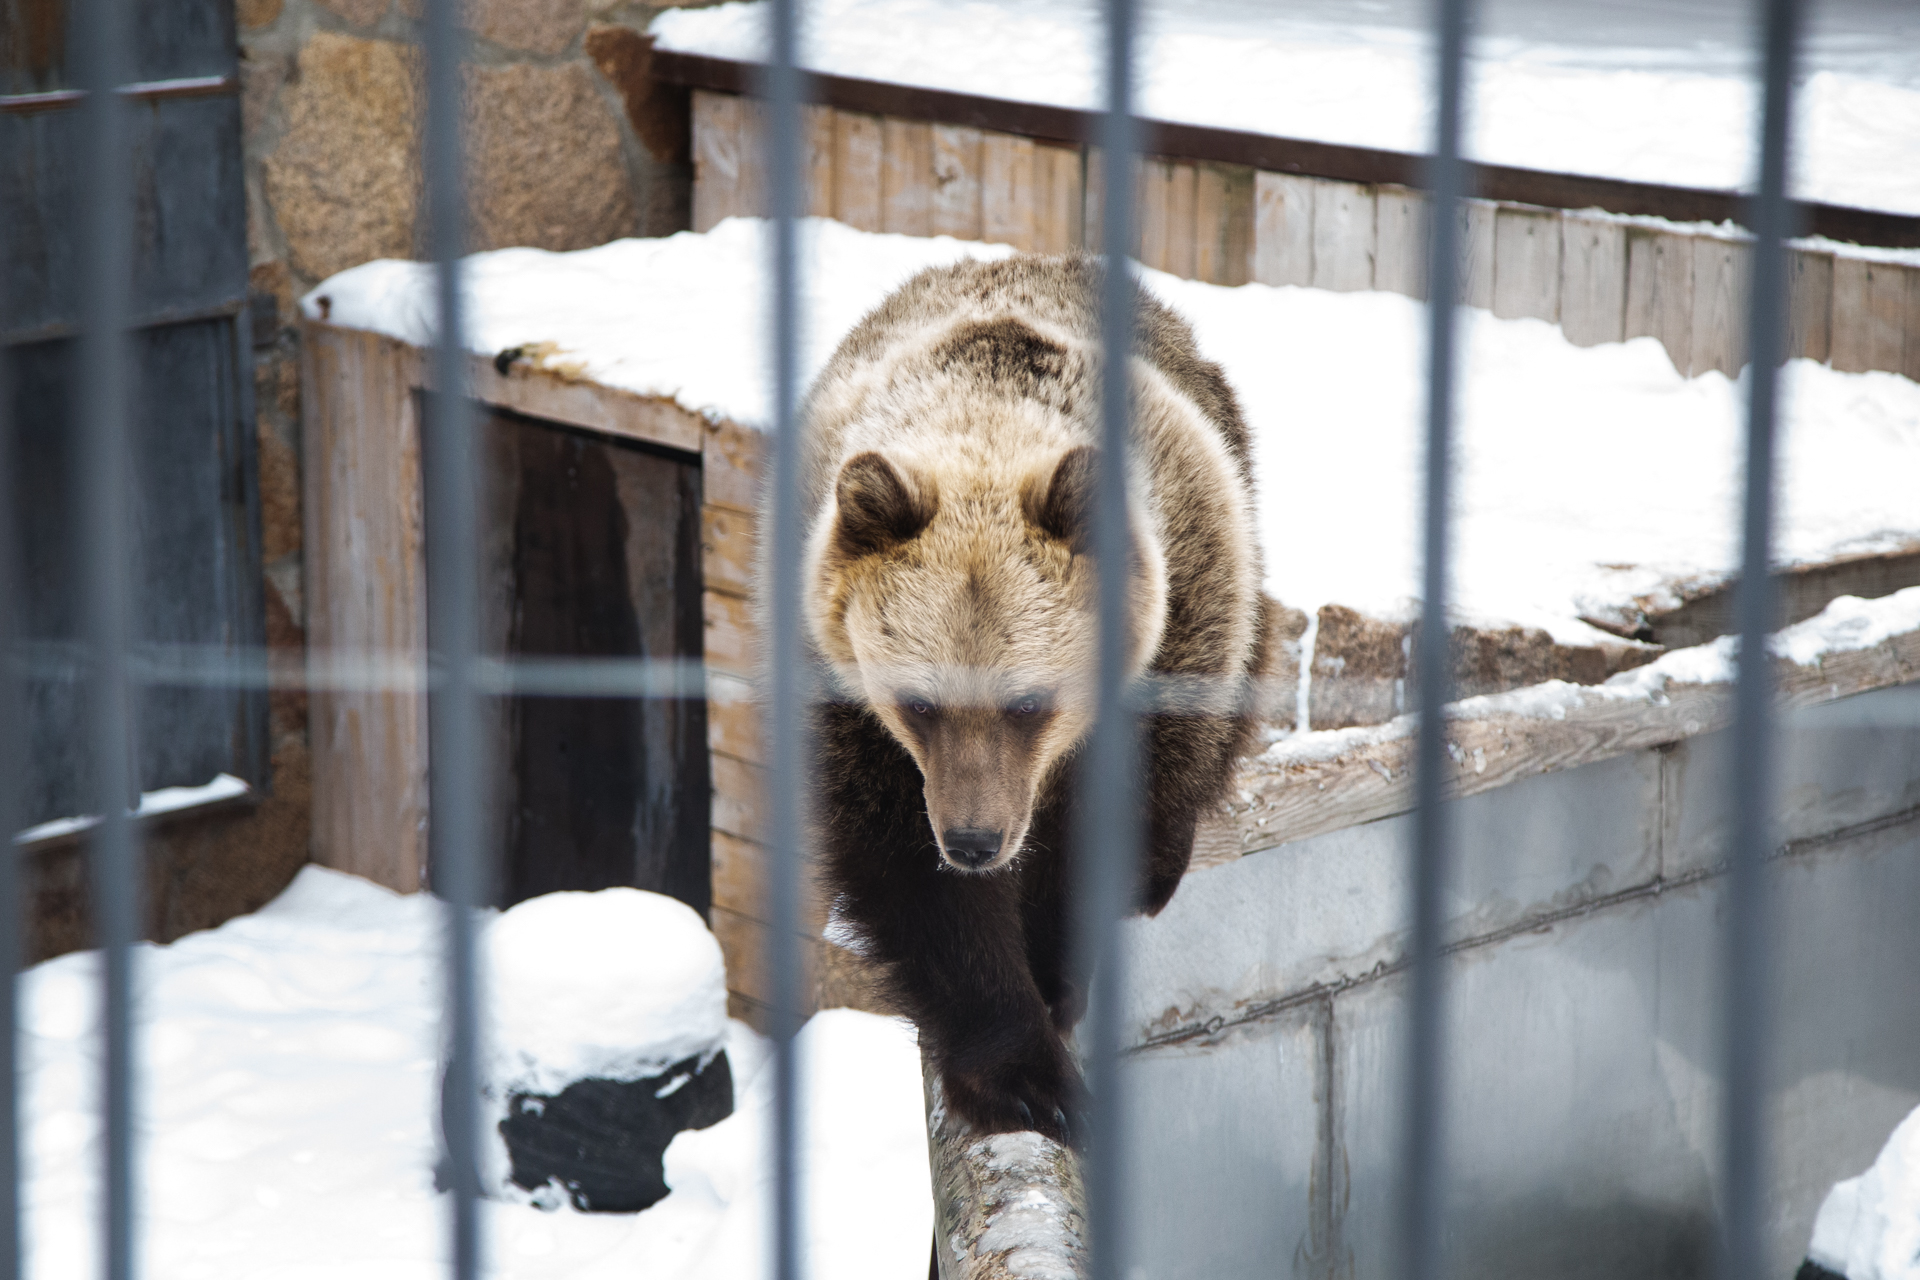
point(1747, 1019)
point(12, 818)
point(1425, 1083)
point(456, 779)
point(1105, 844)
point(106, 227)
point(786, 743)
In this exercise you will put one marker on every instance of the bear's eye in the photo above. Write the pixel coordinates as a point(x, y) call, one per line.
point(1026, 706)
point(920, 706)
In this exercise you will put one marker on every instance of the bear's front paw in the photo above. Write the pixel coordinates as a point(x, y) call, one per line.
point(1039, 1092)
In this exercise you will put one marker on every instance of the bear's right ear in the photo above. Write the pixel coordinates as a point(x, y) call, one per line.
point(878, 507)
point(1061, 506)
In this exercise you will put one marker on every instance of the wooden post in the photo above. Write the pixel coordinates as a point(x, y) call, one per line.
point(1182, 220)
point(751, 192)
point(819, 128)
point(1593, 279)
point(1912, 366)
point(1476, 253)
point(1809, 304)
point(856, 170)
point(1719, 341)
point(1057, 198)
point(1526, 264)
point(1400, 241)
point(1150, 204)
point(1093, 190)
point(1009, 1206)
point(1006, 190)
point(716, 158)
point(906, 177)
point(1342, 236)
point(1282, 229)
point(956, 181)
point(1660, 291)
point(1223, 224)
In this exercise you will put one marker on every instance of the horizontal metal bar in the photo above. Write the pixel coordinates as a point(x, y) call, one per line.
point(28, 104)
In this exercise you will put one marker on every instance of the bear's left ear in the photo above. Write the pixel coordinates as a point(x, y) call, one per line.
point(877, 506)
point(1061, 504)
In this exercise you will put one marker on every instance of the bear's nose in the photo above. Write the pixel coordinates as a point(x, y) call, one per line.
point(971, 846)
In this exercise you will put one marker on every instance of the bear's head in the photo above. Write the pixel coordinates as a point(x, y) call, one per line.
point(955, 594)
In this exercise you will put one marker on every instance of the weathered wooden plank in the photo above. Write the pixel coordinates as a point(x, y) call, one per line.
point(733, 719)
point(746, 947)
point(751, 192)
point(819, 133)
point(726, 549)
point(1150, 212)
point(1809, 304)
point(1400, 241)
point(1183, 229)
point(1058, 214)
point(1593, 279)
point(1526, 264)
point(739, 798)
point(984, 1185)
point(1094, 191)
point(1282, 228)
point(1282, 798)
point(856, 170)
point(1660, 290)
point(1719, 340)
point(1223, 223)
point(730, 465)
point(1851, 317)
point(716, 158)
point(365, 578)
point(1475, 278)
point(1887, 288)
point(548, 393)
point(956, 181)
point(1007, 190)
point(1911, 365)
point(906, 177)
point(1342, 236)
point(732, 639)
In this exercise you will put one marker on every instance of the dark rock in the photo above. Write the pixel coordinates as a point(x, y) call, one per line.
point(603, 1140)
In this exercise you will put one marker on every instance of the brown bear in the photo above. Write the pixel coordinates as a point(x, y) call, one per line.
point(947, 469)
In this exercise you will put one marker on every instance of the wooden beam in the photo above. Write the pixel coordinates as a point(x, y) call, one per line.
point(1309, 789)
point(1290, 155)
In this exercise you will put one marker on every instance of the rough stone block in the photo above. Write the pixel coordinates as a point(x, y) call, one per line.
point(344, 183)
point(660, 113)
point(538, 26)
point(544, 159)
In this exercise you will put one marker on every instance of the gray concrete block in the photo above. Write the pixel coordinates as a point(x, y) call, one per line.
point(1230, 1132)
point(1839, 765)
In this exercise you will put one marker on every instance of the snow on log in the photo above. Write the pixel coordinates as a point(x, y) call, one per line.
point(1008, 1206)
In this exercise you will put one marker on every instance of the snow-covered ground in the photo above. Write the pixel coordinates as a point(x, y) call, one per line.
point(289, 1062)
point(1588, 476)
point(1642, 108)
point(1869, 1227)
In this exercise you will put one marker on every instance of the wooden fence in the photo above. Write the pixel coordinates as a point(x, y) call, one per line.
point(1601, 277)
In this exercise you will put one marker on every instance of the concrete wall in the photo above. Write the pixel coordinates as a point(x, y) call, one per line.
point(1268, 1002)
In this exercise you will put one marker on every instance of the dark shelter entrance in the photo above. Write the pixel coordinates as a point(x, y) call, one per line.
point(591, 549)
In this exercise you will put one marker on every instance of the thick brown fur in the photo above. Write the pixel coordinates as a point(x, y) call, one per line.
point(947, 467)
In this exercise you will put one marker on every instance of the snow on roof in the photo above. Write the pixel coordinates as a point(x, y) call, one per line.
point(1589, 477)
point(1625, 112)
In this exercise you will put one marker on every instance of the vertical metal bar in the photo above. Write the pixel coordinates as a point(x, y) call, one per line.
point(1747, 1022)
point(1107, 853)
point(1432, 853)
point(786, 826)
point(12, 818)
point(452, 484)
point(106, 222)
